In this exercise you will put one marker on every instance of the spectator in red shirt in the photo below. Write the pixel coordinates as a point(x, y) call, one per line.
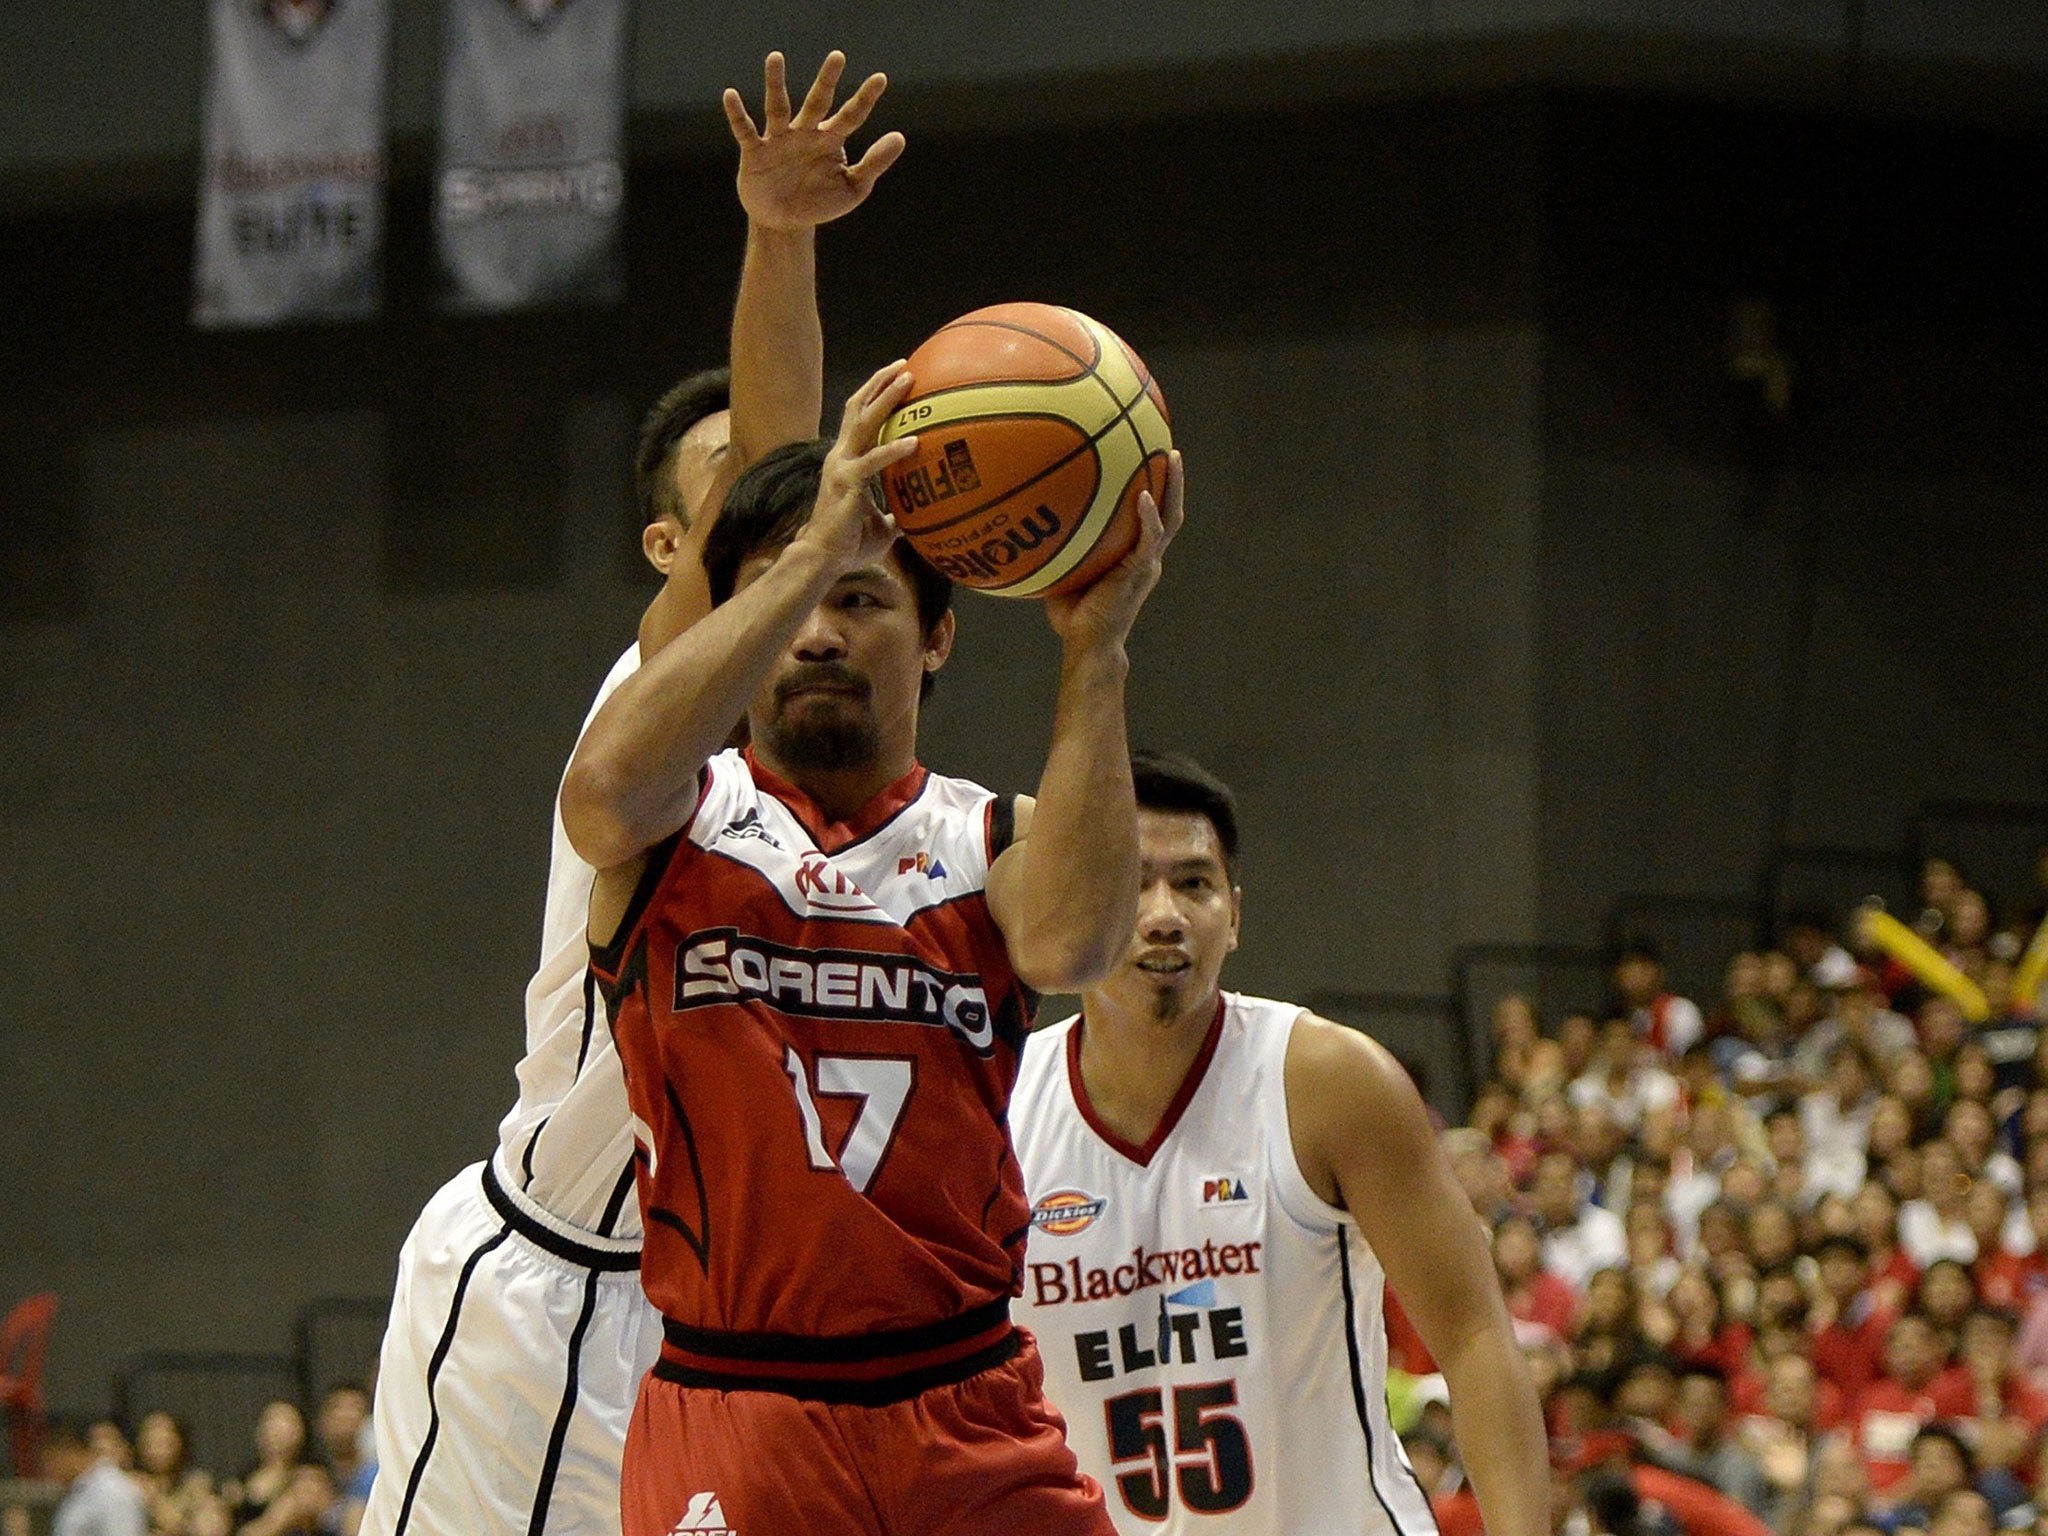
point(1918, 1388)
point(1893, 1275)
point(1850, 1322)
point(1533, 1293)
point(2009, 1412)
point(2004, 1279)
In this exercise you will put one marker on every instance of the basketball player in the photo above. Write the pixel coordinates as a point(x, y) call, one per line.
point(819, 959)
point(518, 1331)
point(1220, 1186)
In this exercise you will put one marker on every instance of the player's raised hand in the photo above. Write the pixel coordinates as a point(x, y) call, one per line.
point(848, 523)
point(794, 173)
point(1102, 612)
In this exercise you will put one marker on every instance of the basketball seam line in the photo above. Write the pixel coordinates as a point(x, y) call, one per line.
point(1123, 413)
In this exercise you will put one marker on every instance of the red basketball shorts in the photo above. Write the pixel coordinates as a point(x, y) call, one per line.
point(982, 1457)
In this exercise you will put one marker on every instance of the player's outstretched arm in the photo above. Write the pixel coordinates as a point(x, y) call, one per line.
point(633, 780)
point(1066, 893)
point(793, 176)
point(1365, 1142)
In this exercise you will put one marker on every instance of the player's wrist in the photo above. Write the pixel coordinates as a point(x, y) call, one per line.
point(1093, 660)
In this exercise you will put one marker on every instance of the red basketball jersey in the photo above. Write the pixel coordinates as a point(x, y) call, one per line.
point(820, 1030)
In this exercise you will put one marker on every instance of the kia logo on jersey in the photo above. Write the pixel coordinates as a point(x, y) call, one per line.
point(1066, 1211)
point(1225, 1187)
point(825, 889)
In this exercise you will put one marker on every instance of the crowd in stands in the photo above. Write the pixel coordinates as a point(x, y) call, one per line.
point(1790, 1249)
point(292, 1484)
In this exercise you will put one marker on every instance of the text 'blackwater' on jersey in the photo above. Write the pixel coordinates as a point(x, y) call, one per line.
point(819, 1028)
point(1210, 1327)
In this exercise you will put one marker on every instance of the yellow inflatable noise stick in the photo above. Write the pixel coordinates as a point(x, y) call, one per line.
point(1924, 961)
point(2026, 981)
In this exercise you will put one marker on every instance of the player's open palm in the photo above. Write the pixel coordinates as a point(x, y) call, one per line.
point(794, 173)
point(1102, 612)
point(848, 522)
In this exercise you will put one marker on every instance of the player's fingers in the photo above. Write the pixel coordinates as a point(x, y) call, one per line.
point(881, 154)
point(1174, 511)
point(858, 105)
point(818, 99)
point(740, 120)
point(883, 405)
point(775, 93)
point(857, 403)
point(880, 457)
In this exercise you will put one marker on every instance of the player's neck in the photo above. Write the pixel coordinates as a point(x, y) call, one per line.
point(840, 794)
point(1133, 1062)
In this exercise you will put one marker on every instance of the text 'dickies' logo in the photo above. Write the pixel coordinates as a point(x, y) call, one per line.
point(827, 889)
point(298, 20)
point(1224, 1189)
point(1066, 1211)
point(704, 1517)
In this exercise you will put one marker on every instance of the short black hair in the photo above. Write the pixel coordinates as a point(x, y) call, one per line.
point(1948, 1437)
point(1170, 781)
point(680, 408)
point(769, 505)
point(1637, 946)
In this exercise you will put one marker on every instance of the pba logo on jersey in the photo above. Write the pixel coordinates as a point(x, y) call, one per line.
point(825, 889)
point(924, 864)
point(704, 1517)
point(298, 19)
point(1066, 1211)
point(1224, 1189)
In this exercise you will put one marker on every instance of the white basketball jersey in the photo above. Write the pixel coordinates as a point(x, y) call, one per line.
point(568, 1143)
point(1211, 1329)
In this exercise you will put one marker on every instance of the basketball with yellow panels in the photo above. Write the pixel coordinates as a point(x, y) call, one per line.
point(1037, 428)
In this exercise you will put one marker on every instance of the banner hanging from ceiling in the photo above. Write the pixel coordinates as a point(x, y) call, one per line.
point(291, 194)
point(530, 180)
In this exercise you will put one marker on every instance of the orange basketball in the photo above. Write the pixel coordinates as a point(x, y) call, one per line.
point(1037, 428)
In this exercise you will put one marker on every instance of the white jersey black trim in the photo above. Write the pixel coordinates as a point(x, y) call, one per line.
point(547, 1239)
point(447, 1342)
point(543, 1492)
point(1358, 1391)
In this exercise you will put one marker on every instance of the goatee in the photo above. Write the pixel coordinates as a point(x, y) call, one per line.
point(830, 740)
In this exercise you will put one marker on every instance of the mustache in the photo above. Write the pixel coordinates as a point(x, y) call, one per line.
point(822, 674)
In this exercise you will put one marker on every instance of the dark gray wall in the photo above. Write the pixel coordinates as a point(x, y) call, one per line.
point(1757, 630)
point(301, 625)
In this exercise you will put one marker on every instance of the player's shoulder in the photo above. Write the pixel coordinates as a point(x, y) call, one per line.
point(1045, 1049)
point(1339, 1074)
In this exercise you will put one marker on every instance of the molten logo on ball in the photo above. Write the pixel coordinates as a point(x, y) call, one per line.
point(1038, 430)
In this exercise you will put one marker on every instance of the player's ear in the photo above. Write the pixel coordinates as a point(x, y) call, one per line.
point(938, 645)
point(660, 541)
point(1236, 913)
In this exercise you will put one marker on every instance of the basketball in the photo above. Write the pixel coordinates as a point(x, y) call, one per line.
point(1037, 428)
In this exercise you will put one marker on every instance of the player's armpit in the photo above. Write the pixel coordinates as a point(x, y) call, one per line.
point(611, 898)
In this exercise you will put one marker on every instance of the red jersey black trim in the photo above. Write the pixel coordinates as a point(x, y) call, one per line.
point(888, 1345)
point(1197, 1070)
point(837, 836)
point(609, 958)
point(877, 1392)
point(699, 1236)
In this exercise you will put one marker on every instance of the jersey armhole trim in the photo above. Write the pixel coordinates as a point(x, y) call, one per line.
point(1298, 1197)
point(999, 824)
point(607, 959)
